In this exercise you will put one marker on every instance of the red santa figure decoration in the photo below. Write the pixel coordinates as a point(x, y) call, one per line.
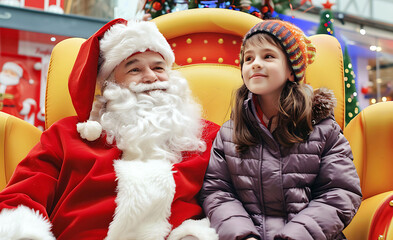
point(12, 99)
point(130, 164)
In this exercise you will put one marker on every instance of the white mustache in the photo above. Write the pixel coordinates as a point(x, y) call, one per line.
point(144, 87)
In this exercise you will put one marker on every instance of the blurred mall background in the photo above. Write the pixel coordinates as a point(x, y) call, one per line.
point(29, 29)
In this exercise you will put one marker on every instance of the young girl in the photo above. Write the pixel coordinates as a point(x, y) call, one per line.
point(281, 167)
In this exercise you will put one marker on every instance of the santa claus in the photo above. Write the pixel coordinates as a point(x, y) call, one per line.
point(12, 100)
point(130, 164)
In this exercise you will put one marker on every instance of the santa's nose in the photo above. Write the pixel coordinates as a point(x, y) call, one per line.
point(149, 76)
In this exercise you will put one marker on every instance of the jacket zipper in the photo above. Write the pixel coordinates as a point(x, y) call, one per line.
point(260, 190)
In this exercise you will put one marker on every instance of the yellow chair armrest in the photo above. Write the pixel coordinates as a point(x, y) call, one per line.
point(17, 137)
point(363, 224)
point(369, 135)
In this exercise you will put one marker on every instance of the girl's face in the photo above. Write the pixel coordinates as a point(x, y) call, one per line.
point(265, 69)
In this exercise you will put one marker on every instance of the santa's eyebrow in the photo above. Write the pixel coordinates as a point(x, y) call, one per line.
point(131, 62)
point(159, 62)
point(136, 60)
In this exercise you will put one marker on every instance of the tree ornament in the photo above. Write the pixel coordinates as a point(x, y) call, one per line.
point(365, 90)
point(327, 5)
point(157, 6)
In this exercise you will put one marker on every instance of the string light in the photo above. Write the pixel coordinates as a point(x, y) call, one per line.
point(362, 30)
point(375, 48)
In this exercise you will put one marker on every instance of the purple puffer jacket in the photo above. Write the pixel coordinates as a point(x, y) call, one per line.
point(310, 191)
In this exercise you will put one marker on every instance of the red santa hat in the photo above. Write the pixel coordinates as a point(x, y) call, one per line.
point(13, 67)
point(107, 48)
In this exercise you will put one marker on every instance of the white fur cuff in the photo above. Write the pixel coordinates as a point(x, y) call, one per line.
point(24, 223)
point(198, 228)
point(89, 130)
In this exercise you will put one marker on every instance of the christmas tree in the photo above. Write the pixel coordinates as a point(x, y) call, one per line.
point(326, 23)
point(351, 99)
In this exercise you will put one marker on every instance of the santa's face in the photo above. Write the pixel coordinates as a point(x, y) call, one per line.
point(146, 67)
point(9, 77)
point(156, 124)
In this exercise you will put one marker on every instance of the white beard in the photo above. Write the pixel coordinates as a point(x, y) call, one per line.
point(156, 125)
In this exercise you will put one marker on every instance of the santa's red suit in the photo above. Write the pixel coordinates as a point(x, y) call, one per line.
point(59, 174)
point(72, 188)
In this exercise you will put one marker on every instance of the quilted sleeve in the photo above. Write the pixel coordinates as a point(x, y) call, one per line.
point(226, 213)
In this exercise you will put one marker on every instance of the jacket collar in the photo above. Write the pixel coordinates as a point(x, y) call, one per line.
point(323, 104)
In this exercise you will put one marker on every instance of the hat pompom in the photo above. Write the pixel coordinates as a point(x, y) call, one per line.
point(323, 105)
point(89, 130)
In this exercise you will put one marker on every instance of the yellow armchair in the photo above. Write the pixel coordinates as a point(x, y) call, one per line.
point(370, 135)
point(17, 137)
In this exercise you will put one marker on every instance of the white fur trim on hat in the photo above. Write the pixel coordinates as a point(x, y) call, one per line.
point(198, 228)
point(121, 41)
point(24, 223)
point(14, 67)
point(89, 130)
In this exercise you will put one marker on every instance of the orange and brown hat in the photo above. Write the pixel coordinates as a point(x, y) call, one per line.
point(298, 48)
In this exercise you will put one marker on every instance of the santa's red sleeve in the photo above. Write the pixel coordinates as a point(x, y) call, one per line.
point(31, 191)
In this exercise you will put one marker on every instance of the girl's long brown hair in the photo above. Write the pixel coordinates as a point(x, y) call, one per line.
point(294, 109)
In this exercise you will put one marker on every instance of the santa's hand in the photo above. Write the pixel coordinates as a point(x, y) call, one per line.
point(27, 104)
point(189, 237)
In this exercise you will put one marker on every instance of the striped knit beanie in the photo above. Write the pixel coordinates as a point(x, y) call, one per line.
point(298, 48)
